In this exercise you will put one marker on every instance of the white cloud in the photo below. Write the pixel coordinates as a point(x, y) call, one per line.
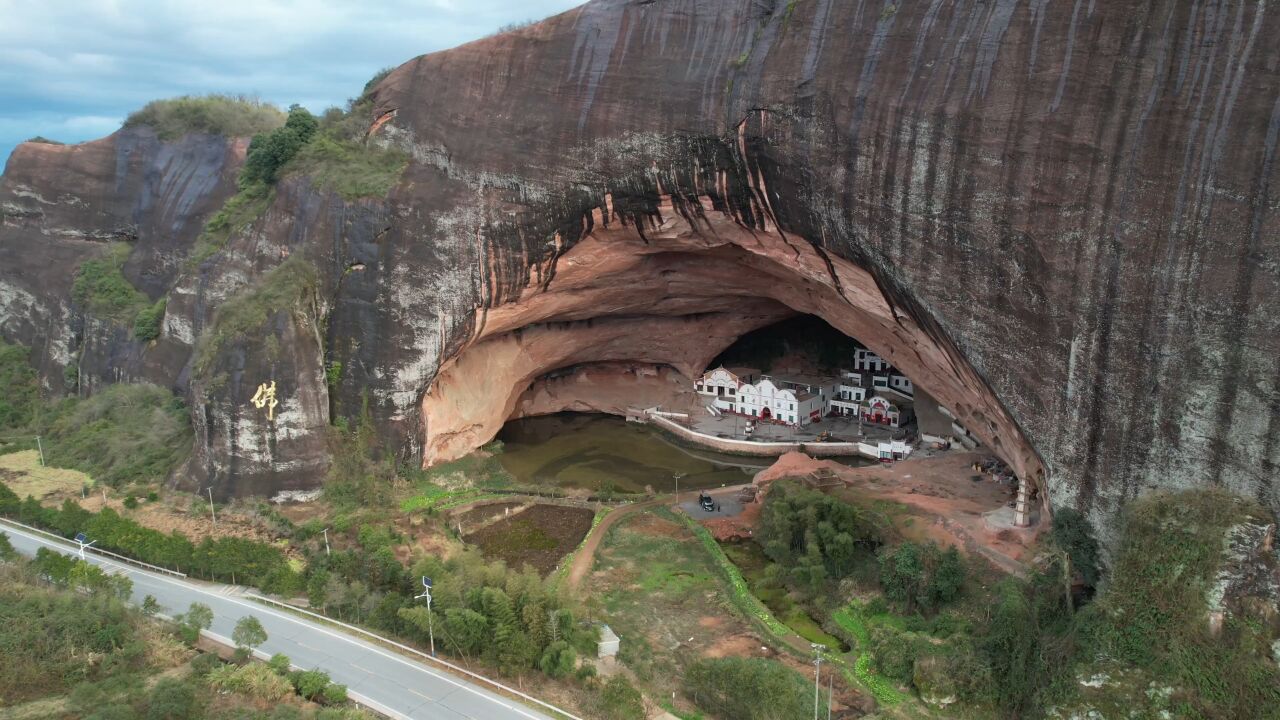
point(71, 69)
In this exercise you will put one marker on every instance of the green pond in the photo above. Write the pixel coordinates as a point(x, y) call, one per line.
point(603, 452)
point(753, 564)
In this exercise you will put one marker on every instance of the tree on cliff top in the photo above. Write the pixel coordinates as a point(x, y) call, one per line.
point(226, 115)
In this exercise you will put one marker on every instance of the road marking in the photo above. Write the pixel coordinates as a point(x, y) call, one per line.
point(424, 697)
point(287, 618)
point(360, 668)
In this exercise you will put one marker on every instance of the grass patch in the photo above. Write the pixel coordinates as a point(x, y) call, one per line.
point(739, 592)
point(237, 214)
point(103, 291)
point(284, 288)
point(226, 115)
point(26, 476)
point(480, 469)
point(352, 168)
point(881, 688)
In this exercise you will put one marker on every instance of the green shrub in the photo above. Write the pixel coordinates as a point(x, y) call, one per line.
point(895, 651)
point(620, 700)
point(352, 168)
point(334, 694)
point(921, 577)
point(102, 289)
point(44, 140)
point(238, 213)
point(123, 434)
point(280, 664)
point(131, 502)
point(271, 151)
point(748, 689)
point(171, 699)
point(558, 659)
point(226, 115)
point(285, 288)
point(255, 680)
point(19, 387)
point(204, 663)
point(310, 683)
point(7, 553)
point(149, 320)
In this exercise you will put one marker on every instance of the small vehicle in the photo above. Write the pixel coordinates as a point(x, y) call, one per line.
point(705, 501)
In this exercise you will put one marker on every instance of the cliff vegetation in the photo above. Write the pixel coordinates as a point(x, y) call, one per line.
point(102, 289)
point(226, 115)
point(287, 287)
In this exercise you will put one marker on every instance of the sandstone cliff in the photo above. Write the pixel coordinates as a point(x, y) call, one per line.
point(1060, 218)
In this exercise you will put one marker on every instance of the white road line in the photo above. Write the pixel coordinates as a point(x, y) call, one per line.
point(315, 627)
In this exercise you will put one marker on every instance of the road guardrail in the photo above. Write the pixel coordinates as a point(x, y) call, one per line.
point(415, 651)
point(96, 551)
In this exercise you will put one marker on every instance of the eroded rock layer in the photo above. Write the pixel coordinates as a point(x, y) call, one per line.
point(1059, 217)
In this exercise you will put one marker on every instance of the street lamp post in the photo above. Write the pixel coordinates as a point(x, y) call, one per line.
point(326, 542)
point(431, 629)
point(212, 514)
point(817, 671)
point(40, 445)
point(80, 540)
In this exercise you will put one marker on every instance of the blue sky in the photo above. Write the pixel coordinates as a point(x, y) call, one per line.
point(71, 70)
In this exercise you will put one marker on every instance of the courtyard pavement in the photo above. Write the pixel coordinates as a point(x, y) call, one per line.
point(847, 430)
point(727, 501)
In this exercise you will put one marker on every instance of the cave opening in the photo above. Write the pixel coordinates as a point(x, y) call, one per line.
point(630, 317)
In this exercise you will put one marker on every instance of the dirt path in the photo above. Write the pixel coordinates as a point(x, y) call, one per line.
point(585, 558)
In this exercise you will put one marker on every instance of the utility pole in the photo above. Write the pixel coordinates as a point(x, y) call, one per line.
point(326, 542)
point(431, 629)
point(830, 692)
point(40, 445)
point(212, 514)
point(817, 672)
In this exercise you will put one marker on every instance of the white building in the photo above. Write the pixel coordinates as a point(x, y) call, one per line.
point(881, 411)
point(719, 387)
point(901, 383)
point(866, 361)
point(850, 395)
point(767, 401)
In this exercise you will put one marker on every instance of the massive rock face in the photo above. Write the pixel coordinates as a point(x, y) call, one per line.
point(1060, 218)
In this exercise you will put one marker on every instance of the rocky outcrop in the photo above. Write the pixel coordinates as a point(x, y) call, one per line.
point(1059, 218)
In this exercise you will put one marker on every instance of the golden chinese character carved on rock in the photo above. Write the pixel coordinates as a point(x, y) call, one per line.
point(266, 397)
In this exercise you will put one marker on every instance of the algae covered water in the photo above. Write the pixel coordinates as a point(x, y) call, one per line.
point(606, 453)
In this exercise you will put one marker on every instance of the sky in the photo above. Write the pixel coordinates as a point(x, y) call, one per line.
point(72, 70)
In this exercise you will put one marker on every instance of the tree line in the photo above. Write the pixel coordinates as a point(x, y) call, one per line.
point(229, 559)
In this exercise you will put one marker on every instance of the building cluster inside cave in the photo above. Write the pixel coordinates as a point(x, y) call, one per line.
point(624, 322)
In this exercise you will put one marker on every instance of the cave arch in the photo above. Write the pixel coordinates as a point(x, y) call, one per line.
point(641, 308)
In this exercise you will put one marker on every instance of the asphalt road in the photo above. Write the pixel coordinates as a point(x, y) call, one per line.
point(393, 684)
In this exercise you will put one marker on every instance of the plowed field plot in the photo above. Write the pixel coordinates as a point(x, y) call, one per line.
point(539, 536)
